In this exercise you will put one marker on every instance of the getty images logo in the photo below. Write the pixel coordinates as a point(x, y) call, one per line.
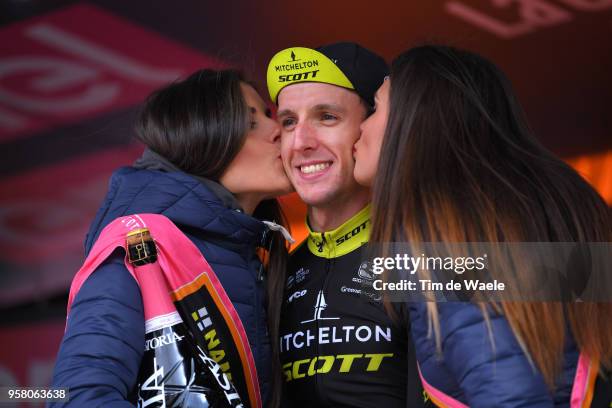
point(320, 306)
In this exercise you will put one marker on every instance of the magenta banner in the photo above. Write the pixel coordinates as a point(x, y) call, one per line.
point(80, 62)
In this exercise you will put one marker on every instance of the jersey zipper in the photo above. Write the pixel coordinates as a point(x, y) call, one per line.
point(318, 378)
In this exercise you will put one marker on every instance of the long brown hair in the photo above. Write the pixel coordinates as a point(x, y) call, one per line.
point(200, 124)
point(459, 164)
point(276, 257)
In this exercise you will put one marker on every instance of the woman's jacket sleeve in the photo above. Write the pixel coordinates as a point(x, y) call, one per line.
point(103, 345)
point(488, 367)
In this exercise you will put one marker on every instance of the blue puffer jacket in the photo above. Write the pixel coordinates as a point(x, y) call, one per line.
point(473, 372)
point(101, 350)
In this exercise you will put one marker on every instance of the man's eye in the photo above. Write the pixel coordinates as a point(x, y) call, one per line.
point(328, 116)
point(253, 125)
point(288, 123)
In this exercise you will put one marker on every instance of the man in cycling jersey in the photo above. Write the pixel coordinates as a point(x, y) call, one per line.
point(338, 346)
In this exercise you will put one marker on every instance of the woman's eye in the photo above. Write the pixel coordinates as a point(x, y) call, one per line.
point(268, 113)
point(253, 124)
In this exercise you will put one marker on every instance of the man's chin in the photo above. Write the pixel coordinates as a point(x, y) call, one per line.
point(315, 198)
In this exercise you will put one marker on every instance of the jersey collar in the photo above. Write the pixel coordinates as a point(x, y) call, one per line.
point(346, 238)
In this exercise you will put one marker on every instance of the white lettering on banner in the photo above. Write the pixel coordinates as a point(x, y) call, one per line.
point(332, 334)
point(77, 81)
point(56, 73)
point(79, 47)
point(532, 15)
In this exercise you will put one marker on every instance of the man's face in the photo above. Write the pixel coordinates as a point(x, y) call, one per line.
point(319, 126)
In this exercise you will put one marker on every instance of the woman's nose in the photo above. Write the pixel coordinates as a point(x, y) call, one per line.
point(276, 132)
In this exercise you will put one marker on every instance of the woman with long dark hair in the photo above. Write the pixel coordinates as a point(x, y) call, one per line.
point(212, 168)
point(451, 159)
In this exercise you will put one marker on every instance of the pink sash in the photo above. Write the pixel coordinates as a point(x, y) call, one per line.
point(180, 278)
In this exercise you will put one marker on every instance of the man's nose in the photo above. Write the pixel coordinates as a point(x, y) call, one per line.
point(305, 137)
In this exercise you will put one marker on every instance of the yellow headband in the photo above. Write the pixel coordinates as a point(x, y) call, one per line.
point(299, 64)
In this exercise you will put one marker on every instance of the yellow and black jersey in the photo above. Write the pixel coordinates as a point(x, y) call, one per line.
point(338, 346)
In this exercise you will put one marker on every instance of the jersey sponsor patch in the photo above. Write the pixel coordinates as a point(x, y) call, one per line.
point(339, 363)
point(363, 278)
point(296, 295)
point(352, 233)
point(329, 329)
point(319, 307)
point(364, 272)
point(335, 334)
point(298, 277)
point(373, 296)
